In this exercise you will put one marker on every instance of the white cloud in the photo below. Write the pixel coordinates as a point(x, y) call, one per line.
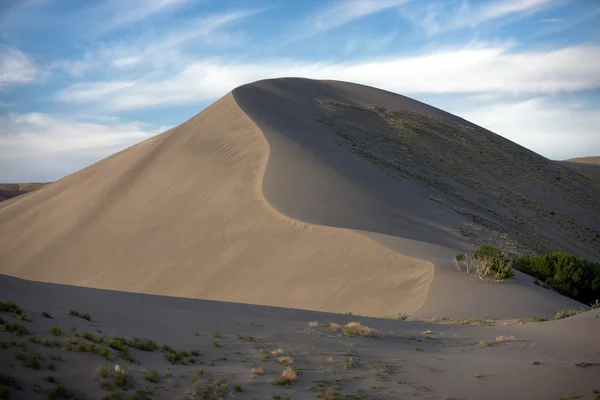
point(340, 13)
point(15, 66)
point(558, 130)
point(121, 13)
point(471, 70)
point(438, 18)
point(48, 147)
point(150, 51)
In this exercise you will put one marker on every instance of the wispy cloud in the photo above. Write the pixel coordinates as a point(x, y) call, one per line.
point(16, 67)
point(52, 146)
point(122, 13)
point(470, 70)
point(340, 13)
point(156, 51)
point(540, 124)
point(438, 17)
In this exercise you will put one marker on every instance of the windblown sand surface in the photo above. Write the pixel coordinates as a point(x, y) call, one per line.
point(310, 195)
point(422, 360)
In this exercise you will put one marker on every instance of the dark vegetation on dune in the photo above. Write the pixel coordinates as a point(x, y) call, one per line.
point(569, 275)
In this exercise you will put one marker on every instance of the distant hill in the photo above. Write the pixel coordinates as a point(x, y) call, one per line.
point(10, 190)
point(587, 165)
point(585, 160)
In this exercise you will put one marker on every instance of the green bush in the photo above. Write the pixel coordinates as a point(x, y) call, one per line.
point(572, 276)
point(500, 265)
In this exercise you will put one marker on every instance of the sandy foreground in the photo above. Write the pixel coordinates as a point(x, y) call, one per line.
point(548, 360)
point(251, 206)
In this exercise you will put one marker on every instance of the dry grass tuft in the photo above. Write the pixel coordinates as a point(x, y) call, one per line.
point(502, 338)
point(285, 360)
point(277, 352)
point(356, 329)
point(330, 360)
point(332, 326)
point(287, 377)
point(313, 324)
point(482, 343)
point(350, 363)
point(485, 267)
point(331, 394)
point(258, 371)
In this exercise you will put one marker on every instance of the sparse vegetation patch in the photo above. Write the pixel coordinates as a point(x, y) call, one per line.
point(487, 263)
point(569, 275)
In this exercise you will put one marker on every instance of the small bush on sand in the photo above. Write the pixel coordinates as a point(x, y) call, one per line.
point(277, 352)
point(76, 313)
point(285, 360)
point(287, 377)
point(34, 361)
point(122, 379)
point(332, 326)
point(56, 330)
point(17, 329)
point(350, 363)
point(102, 371)
point(566, 313)
point(356, 329)
point(93, 338)
point(142, 344)
point(152, 375)
point(487, 263)
point(502, 338)
point(569, 275)
point(59, 392)
point(258, 371)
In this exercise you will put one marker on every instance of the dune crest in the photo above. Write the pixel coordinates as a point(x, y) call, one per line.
point(183, 214)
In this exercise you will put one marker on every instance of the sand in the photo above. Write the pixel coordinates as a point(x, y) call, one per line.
point(423, 360)
point(259, 200)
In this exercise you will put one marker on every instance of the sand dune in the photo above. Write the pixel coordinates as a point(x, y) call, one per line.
point(253, 200)
point(182, 214)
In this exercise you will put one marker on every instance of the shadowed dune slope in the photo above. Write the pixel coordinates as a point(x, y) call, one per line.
point(258, 200)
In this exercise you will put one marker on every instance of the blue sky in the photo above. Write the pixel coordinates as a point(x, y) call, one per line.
point(80, 80)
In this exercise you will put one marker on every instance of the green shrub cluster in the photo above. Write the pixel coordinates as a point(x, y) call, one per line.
point(572, 276)
point(500, 264)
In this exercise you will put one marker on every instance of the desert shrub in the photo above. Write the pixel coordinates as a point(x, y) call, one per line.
point(356, 329)
point(571, 276)
point(102, 371)
point(17, 329)
point(93, 338)
point(122, 379)
point(152, 375)
point(143, 344)
point(566, 313)
point(59, 392)
point(76, 313)
point(487, 263)
point(56, 330)
point(287, 377)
